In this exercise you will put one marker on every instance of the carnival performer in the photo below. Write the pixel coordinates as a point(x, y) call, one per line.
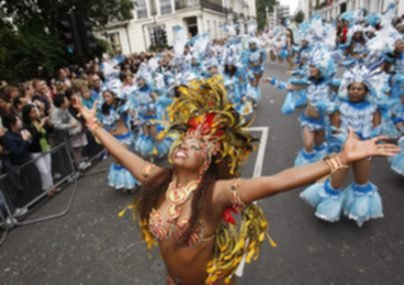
point(113, 116)
point(397, 161)
point(233, 81)
point(253, 92)
point(287, 50)
point(313, 118)
point(360, 201)
point(296, 98)
point(356, 51)
point(180, 209)
point(397, 60)
point(255, 58)
point(144, 103)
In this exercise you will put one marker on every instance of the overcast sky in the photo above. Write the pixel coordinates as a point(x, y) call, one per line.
point(291, 3)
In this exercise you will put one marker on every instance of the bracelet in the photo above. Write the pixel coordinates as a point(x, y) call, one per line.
point(147, 170)
point(237, 203)
point(334, 163)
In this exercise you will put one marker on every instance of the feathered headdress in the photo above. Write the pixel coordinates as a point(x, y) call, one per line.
point(385, 39)
point(375, 80)
point(319, 33)
point(202, 110)
point(322, 59)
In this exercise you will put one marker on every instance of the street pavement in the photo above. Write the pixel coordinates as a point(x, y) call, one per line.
point(92, 245)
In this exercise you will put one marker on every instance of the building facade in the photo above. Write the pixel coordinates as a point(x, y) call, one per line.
point(278, 16)
point(154, 21)
point(331, 9)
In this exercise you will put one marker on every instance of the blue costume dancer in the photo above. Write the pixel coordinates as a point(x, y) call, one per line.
point(255, 59)
point(114, 118)
point(144, 101)
point(397, 161)
point(360, 201)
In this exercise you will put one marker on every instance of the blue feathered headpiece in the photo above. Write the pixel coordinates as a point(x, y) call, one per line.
point(322, 59)
point(374, 79)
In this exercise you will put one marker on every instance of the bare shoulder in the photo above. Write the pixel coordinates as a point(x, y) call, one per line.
point(222, 191)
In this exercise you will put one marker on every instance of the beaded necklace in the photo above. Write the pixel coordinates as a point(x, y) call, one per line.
point(178, 195)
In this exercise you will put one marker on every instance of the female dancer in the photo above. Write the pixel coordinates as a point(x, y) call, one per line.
point(313, 118)
point(361, 200)
point(181, 208)
point(145, 102)
point(356, 50)
point(113, 117)
point(397, 162)
point(255, 59)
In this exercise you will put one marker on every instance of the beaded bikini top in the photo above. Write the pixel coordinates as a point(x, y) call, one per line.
point(173, 216)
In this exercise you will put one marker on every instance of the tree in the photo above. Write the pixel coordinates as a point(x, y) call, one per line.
point(299, 17)
point(261, 11)
point(30, 35)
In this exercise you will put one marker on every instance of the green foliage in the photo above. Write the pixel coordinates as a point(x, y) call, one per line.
point(299, 17)
point(33, 39)
point(102, 46)
point(156, 48)
point(261, 11)
point(22, 53)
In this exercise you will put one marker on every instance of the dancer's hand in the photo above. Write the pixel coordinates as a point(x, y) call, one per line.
point(88, 114)
point(355, 149)
point(267, 79)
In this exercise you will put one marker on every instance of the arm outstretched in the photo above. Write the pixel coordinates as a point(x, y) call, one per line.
point(257, 188)
point(134, 163)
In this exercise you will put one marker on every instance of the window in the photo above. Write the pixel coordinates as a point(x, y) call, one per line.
point(115, 41)
point(141, 9)
point(158, 35)
point(165, 7)
point(153, 7)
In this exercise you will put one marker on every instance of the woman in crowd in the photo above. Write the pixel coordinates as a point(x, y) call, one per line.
point(39, 146)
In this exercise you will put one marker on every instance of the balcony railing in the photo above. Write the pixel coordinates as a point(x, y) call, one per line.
point(214, 7)
point(183, 4)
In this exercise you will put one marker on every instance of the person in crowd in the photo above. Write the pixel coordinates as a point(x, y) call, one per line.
point(11, 92)
point(16, 140)
point(18, 104)
point(68, 128)
point(28, 91)
point(78, 141)
point(86, 97)
point(95, 84)
point(24, 176)
point(39, 146)
point(42, 94)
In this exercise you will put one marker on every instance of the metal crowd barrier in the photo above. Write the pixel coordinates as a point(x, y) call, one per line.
point(21, 186)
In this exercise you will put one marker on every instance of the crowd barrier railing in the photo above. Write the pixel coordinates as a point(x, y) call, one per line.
point(24, 185)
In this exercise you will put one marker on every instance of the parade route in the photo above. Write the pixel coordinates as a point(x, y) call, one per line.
point(92, 245)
